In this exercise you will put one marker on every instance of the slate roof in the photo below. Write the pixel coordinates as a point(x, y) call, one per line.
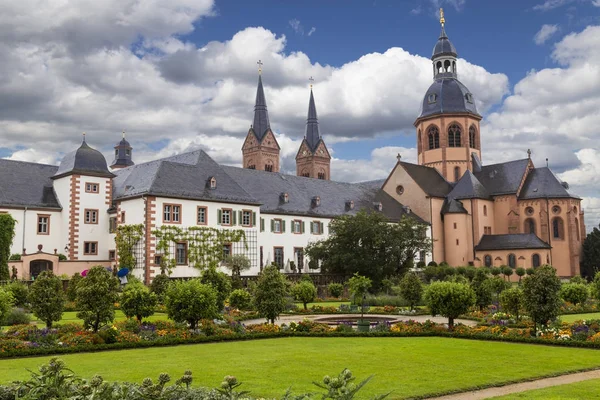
point(312, 135)
point(443, 46)
point(469, 187)
point(503, 178)
point(429, 179)
point(182, 176)
point(452, 206)
point(85, 161)
point(27, 184)
point(451, 97)
point(261, 115)
point(511, 242)
point(542, 183)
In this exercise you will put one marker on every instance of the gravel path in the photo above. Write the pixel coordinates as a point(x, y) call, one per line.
point(286, 319)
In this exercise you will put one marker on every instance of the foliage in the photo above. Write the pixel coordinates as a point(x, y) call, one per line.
point(498, 285)
point(575, 293)
point(335, 290)
point(512, 301)
point(15, 257)
point(62, 257)
point(305, 292)
point(6, 303)
point(137, 301)
point(72, 288)
point(7, 233)
point(159, 286)
point(220, 282)
point(270, 293)
point(530, 271)
point(19, 291)
point(96, 295)
point(496, 271)
point(520, 271)
point(342, 387)
point(449, 300)
point(236, 263)
point(359, 286)
point(16, 317)
point(367, 244)
point(541, 295)
point(126, 237)
point(47, 298)
point(411, 289)
point(482, 289)
point(595, 287)
point(507, 271)
point(190, 301)
point(578, 279)
point(240, 299)
point(590, 260)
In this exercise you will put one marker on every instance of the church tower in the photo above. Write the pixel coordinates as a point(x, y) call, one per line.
point(313, 159)
point(448, 125)
point(260, 149)
point(122, 155)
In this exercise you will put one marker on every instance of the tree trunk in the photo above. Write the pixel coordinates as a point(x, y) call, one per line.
point(450, 324)
point(306, 308)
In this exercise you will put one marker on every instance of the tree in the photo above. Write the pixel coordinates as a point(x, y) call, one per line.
point(96, 297)
point(541, 295)
point(411, 289)
point(305, 292)
point(512, 301)
point(590, 261)
point(367, 244)
point(236, 263)
point(159, 286)
point(449, 300)
point(335, 290)
point(47, 298)
point(7, 233)
point(520, 271)
point(482, 289)
point(507, 272)
point(19, 291)
point(6, 303)
point(240, 299)
point(497, 285)
point(270, 292)
point(72, 288)
point(137, 301)
point(530, 271)
point(575, 293)
point(191, 301)
point(359, 286)
point(578, 279)
point(595, 287)
point(496, 271)
point(220, 282)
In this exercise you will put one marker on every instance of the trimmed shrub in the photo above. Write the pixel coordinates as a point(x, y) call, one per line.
point(304, 292)
point(219, 281)
point(449, 300)
point(270, 293)
point(482, 289)
point(47, 298)
point(137, 301)
point(432, 264)
point(411, 289)
point(335, 290)
point(15, 257)
point(96, 297)
point(541, 295)
point(575, 293)
point(578, 279)
point(159, 286)
point(6, 303)
point(19, 292)
point(512, 301)
point(16, 317)
point(190, 301)
point(240, 299)
point(72, 288)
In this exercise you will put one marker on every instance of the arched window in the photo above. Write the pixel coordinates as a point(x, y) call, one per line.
point(512, 260)
point(454, 133)
point(251, 165)
point(577, 229)
point(472, 134)
point(321, 174)
point(558, 228)
point(419, 142)
point(456, 174)
point(269, 166)
point(454, 66)
point(529, 226)
point(434, 137)
point(535, 260)
point(487, 260)
point(447, 66)
point(485, 210)
point(305, 173)
point(439, 67)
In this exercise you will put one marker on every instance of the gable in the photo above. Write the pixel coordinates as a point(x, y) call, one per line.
point(322, 150)
point(250, 141)
point(269, 141)
point(405, 190)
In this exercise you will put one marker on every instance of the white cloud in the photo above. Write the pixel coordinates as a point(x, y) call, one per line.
point(596, 3)
point(545, 32)
point(378, 166)
point(296, 26)
point(33, 155)
point(548, 5)
point(313, 30)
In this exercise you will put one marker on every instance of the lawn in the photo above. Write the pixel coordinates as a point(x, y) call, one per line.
point(408, 366)
point(576, 317)
point(587, 390)
point(71, 316)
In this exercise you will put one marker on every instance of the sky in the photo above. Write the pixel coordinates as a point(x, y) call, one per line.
point(178, 75)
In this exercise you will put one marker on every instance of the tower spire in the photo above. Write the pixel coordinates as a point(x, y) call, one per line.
point(312, 122)
point(261, 115)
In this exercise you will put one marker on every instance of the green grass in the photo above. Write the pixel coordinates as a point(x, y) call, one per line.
point(408, 366)
point(71, 316)
point(585, 390)
point(576, 317)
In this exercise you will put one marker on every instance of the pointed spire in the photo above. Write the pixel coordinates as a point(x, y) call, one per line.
point(83, 137)
point(312, 124)
point(261, 115)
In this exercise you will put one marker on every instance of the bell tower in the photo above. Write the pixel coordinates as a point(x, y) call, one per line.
point(123, 152)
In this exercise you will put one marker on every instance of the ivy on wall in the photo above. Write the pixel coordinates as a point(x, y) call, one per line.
point(7, 233)
point(204, 244)
point(127, 236)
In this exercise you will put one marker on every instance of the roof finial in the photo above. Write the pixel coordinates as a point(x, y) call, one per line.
point(546, 163)
point(398, 157)
point(123, 134)
point(260, 64)
point(529, 153)
point(442, 19)
point(83, 137)
point(311, 79)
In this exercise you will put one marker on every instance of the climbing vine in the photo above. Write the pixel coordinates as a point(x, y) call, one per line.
point(7, 233)
point(204, 244)
point(127, 236)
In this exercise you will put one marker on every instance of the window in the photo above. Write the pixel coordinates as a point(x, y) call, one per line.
point(529, 225)
point(556, 210)
point(472, 135)
point(261, 258)
point(127, 152)
point(246, 218)
point(90, 248)
point(172, 213)
point(226, 250)
point(577, 229)
point(485, 211)
point(297, 226)
point(487, 260)
point(277, 226)
point(112, 255)
point(305, 174)
point(487, 230)
point(535, 260)
point(91, 187)
point(213, 183)
point(269, 166)
point(43, 224)
point(225, 216)
point(512, 260)
point(434, 137)
point(469, 98)
point(91, 216)
point(529, 211)
point(558, 228)
point(399, 190)
point(201, 217)
point(457, 242)
point(454, 133)
point(299, 257)
point(456, 174)
point(321, 175)
point(157, 260)
point(278, 256)
point(181, 253)
point(122, 217)
point(112, 224)
point(419, 142)
point(316, 227)
point(422, 255)
point(455, 225)
point(116, 152)
point(431, 98)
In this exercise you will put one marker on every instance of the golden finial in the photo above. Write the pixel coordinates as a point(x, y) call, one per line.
point(311, 79)
point(442, 19)
point(260, 64)
point(123, 134)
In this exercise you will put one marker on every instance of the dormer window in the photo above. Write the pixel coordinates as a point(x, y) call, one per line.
point(469, 98)
point(316, 201)
point(432, 98)
point(285, 198)
point(213, 182)
point(350, 205)
point(378, 206)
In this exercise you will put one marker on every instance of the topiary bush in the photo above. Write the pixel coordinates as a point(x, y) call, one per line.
point(270, 293)
point(96, 297)
point(335, 290)
point(159, 286)
point(19, 291)
point(449, 300)
point(541, 295)
point(411, 289)
point(512, 301)
point(190, 301)
point(6, 303)
point(575, 293)
point(304, 292)
point(219, 281)
point(240, 299)
point(47, 298)
point(15, 257)
point(72, 288)
point(137, 301)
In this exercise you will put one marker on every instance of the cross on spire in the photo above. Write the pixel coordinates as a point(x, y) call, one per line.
point(84, 137)
point(311, 79)
point(260, 64)
point(442, 19)
point(123, 134)
point(528, 153)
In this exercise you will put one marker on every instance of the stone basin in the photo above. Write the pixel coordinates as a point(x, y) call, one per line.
point(353, 319)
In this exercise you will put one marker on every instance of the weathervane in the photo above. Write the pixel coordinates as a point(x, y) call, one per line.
point(442, 19)
point(260, 64)
point(311, 79)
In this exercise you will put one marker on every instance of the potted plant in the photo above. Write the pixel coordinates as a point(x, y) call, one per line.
point(359, 285)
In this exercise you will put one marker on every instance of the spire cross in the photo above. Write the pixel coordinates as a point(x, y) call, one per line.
point(442, 19)
point(311, 79)
point(260, 64)
point(123, 134)
point(528, 153)
point(84, 136)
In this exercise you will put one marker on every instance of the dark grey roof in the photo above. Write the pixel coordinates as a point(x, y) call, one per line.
point(469, 187)
point(511, 242)
point(312, 134)
point(452, 206)
point(541, 183)
point(84, 161)
point(261, 115)
point(477, 166)
point(24, 184)
point(181, 176)
point(443, 46)
point(375, 184)
point(122, 159)
point(503, 178)
point(450, 97)
point(429, 179)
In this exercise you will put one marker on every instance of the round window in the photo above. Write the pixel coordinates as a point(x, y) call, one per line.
point(556, 210)
point(399, 189)
point(529, 211)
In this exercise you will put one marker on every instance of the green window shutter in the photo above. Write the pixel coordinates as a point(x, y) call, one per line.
point(283, 225)
point(233, 213)
point(321, 230)
point(262, 224)
point(219, 216)
point(272, 225)
point(240, 217)
point(253, 219)
point(302, 227)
